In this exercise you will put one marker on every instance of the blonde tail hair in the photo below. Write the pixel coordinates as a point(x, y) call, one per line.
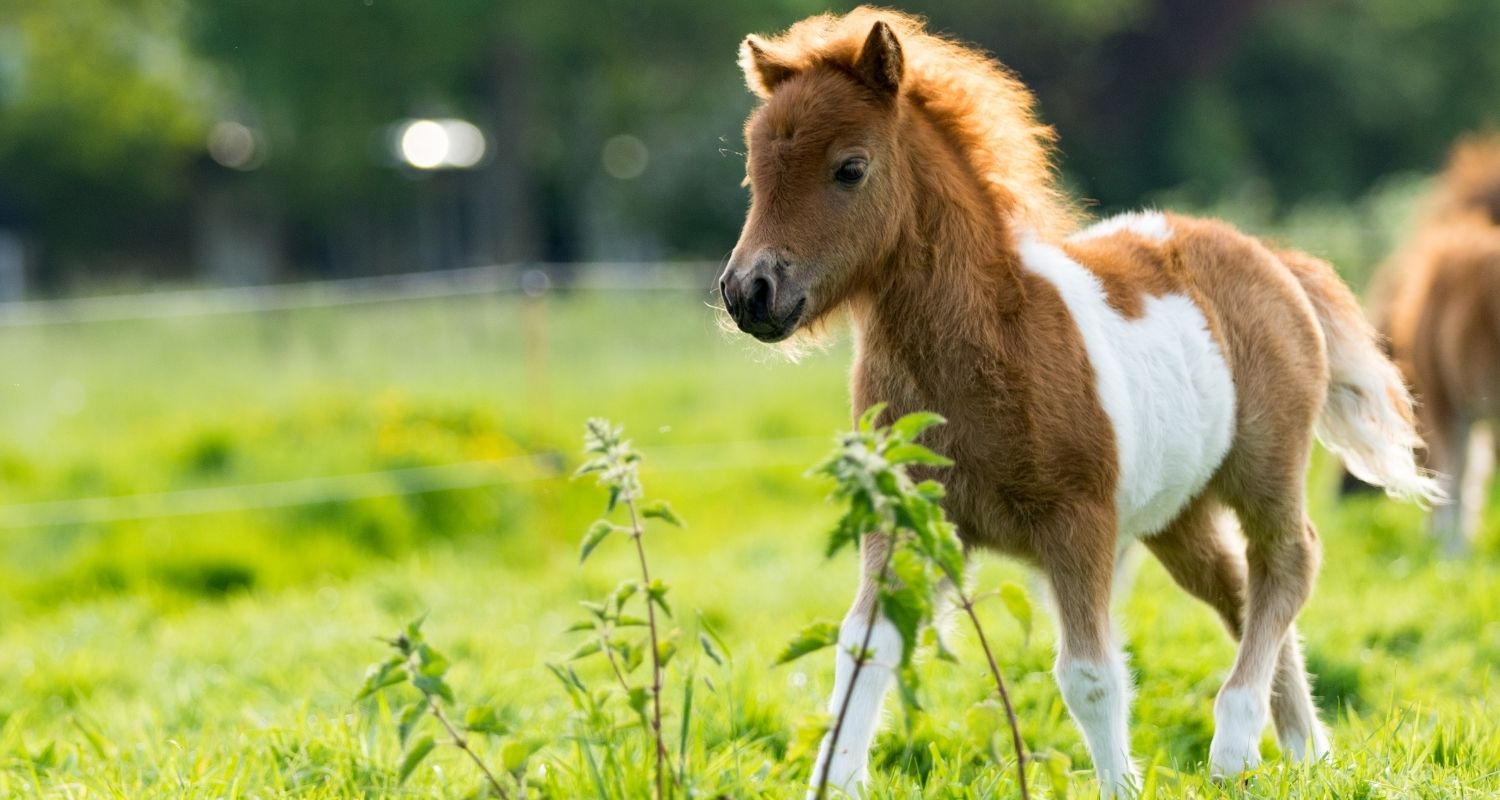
point(1367, 419)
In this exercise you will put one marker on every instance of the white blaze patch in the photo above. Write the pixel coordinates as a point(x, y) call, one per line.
point(1150, 224)
point(1161, 380)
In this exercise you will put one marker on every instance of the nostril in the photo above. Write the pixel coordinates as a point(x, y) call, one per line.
point(760, 297)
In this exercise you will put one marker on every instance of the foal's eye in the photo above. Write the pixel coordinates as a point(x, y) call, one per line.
point(850, 172)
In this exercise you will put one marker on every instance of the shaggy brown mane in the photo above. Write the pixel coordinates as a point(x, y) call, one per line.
point(1459, 214)
point(985, 112)
point(1470, 184)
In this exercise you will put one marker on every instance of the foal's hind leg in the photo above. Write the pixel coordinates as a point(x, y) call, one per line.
point(1201, 554)
point(1282, 553)
point(1301, 735)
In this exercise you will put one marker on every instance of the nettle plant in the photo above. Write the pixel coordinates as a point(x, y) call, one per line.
point(624, 627)
point(923, 559)
point(419, 672)
point(630, 627)
point(627, 629)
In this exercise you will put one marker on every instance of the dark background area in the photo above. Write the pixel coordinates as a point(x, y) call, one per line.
point(613, 128)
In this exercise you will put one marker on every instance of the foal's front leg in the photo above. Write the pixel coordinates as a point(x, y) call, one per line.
point(1079, 559)
point(848, 769)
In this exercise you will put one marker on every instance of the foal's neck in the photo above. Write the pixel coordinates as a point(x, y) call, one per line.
point(948, 297)
point(956, 268)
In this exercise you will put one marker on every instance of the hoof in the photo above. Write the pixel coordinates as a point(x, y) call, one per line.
point(846, 776)
point(1239, 718)
point(1306, 748)
point(1119, 787)
point(1227, 759)
point(851, 786)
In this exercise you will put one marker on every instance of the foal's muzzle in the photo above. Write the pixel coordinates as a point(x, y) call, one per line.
point(761, 299)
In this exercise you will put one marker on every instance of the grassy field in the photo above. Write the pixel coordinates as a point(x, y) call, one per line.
point(177, 645)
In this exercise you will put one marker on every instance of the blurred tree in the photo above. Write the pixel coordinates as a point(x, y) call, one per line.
point(1330, 96)
point(321, 83)
point(100, 116)
point(615, 126)
point(322, 79)
point(1200, 97)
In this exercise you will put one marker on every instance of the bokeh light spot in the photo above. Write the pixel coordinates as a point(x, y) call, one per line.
point(440, 144)
point(625, 157)
point(424, 144)
point(233, 145)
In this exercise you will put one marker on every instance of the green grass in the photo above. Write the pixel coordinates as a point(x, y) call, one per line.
point(218, 654)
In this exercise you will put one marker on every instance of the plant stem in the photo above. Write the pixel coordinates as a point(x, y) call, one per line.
point(661, 748)
point(734, 724)
point(463, 744)
point(859, 664)
point(1010, 714)
point(609, 653)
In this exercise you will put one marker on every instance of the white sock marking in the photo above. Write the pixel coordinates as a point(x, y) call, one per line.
point(849, 768)
point(1239, 718)
point(1098, 696)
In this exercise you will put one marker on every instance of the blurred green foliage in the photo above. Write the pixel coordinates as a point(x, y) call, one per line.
point(379, 393)
point(104, 106)
point(101, 110)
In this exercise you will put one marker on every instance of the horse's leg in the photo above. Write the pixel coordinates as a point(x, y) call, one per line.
point(1450, 437)
point(1302, 736)
point(945, 607)
point(848, 769)
point(1200, 553)
point(1127, 564)
point(1282, 553)
point(1079, 559)
point(1477, 474)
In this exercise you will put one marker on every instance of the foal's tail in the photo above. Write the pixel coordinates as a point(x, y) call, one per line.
point(1367, 418)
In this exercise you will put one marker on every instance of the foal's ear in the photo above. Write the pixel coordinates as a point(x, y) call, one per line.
point(763, 69)
point(880, 63)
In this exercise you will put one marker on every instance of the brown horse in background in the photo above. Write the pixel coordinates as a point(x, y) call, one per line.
point(1152, 377)
point(1438, 300)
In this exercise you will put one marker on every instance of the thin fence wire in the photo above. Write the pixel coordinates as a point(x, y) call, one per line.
point(529, 468)
point(525, 278)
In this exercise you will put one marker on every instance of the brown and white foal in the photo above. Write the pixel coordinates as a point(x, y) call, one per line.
point(1151, 377)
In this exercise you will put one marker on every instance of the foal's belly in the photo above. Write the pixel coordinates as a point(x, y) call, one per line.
point(1162, 381)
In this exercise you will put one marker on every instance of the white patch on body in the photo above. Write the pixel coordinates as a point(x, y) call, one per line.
point(1098, 696)
point(1239, 718)
point(849, 770)
point(1163, 383)
point(1150, 224)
